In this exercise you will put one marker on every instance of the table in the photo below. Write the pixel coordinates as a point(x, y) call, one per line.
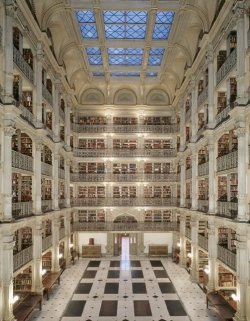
point(49, 281)
point(224, 309)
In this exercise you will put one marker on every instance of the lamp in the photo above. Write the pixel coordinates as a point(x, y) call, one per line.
point(44, 271)
point(60, 255)
point(15, 298)
point(234, 297)
point(178, 244)
point(189, 255)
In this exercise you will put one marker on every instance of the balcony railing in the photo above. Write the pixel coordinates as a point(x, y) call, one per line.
point(61, 202)
point(203, 169)
point(227, 209)
point(203, 242)
point(46, 206)
point(188, 232)
point(100, 202)
point(203, 205)
point(171, 152)
point(22, 64)
point(61, 233)
point(22, 209)
point(61, 173)
point(141, 226)
point(46, 242)
point(188, 173)
point(188, 203)
point(140, 177)
point(226, 256)
point(227, 161)
point(227, 66)
point(203, 96)
point(224, 114)
point(22, 161)
point(157, 129)
point(188, 114)
point(22, 257)
point(47, 95)
point(46, 169)
point(26, 114)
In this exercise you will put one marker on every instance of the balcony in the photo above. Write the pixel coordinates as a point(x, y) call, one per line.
point(188, 173)
point(223, 115)
point(227, 161)
point(22, 64)
point(140, 177)
point(127, 202)
point(22, 209)
point(226, 67)
point(203, 242)
point(203, 206)
point(188, 232)
point(46, 205)
point(140, 226)
point(47, 95)
point(188, 203)
point(203, 96)
point(226, 256)
point(157, 129)
point(23, 257)
point(203, 169)
point(46, 242)
point(171, 152)
point(61, 233)
point(46, 169)
point(22, 161)
point(26, 114)
point(227, 209)
point(61, 203)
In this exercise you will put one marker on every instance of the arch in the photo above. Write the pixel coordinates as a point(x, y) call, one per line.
point(158, 97)
point(92, 96)
point(125, 218)
point(48, 15)
point(200, 14)
point(125, 96)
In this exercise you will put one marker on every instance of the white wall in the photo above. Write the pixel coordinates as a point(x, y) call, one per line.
point(158, 238)
point(99, 239)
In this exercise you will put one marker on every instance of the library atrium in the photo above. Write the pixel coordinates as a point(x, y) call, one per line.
point(124, 160)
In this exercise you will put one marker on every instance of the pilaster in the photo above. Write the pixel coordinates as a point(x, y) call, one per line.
point(38, 98)
point(37, 186)
point(56, 160)
point(194, 273)
point(37, 285)
point(183, 183)
point(55, 244)
point(67, 125)
point(182, 241)
point(211, 86)
point(194, 158)
point(212, 254)
point(212, 175)
point(67, 182)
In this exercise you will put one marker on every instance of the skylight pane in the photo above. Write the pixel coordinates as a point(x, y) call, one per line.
point(135, 31)
point(86, 16)
point(164, 17)
point(136, 17)
point(156, 51)
point(125, 56)
point(151, 74)
point(115, 31)
point(93, 51)
point(125, 74)
point(163, 24)
point(154, 60)
point(98, 74)
point(95, 60)
point(161, 31)
point(114, 16)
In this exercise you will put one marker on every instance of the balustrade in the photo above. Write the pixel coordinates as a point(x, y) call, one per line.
point(46, 169)
point(47, 95)
point(188, 232)
point(203, 205)
point(46, 206)
point(46, 242)
point(224, 114)
point(22, 64)
point(226, 256)
point(22, 161)
point(203, 169)
point(203, 242)
point(26, 114)
point(23, 257)
point(227, 209)
point(227, 161)
point(203, 96)
point(188, 202)
point(22, 209)
point(227, 66)
point(61, 233)
point(188, 173)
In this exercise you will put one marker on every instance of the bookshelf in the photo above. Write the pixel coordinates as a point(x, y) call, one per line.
point(61, 190)
point(221, 58)
point(23, 281)
point(46, 228)
point(157, 144)
point(124, 144)
point(91, 168)
point(28, 56)
point(46, 155)
point(91, 143)
point(91, 215)
point(15, 188)
point(62, 134)
point(157, 191)
point(48, 119)
point(188, 190)
point(26, 240)
point(157, 250)
point(125, 121)
point(157, 216)
point(49, 85)
point(27, 99)
point(91, 120)
point(234, 187)
point(26, 188)
point(47, 261)
point(91, 191)
point(46, 189)
point(157, 168)
point(203, 156)
point(119, 168)
point(202, 264)
point(232, 40)
point(124, 191)
point(26, 145)
point(149, 120)
point(226, 279)
point(223, 236)
point(17, 88)
point(223, 145)
point(17, 38)
point(233, 90)
point(221, 101)
point(203, 189)
point(222, 188)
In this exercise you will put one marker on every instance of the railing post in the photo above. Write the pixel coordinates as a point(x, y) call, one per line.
point(37, 285)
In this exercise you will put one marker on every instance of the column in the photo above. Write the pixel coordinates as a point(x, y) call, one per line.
point(67, 182)
point(37, 285)
point(194, 273)
point(182, 241)
point(10, 8)
point(56, 117)
point(140, 243)
point(194, 113)
point(38, 98)
point(67, 254)
point(9, 131)
point(194, 158)
point(55, 245)
point(242, 275)
point(37, 187)
point(56, 159)
point(7, 277)
point(212, 254)
point(183, 183)
point(211, 86)
point(110, 244)
point(212, 176)
point(67, 125)
point(242, 177)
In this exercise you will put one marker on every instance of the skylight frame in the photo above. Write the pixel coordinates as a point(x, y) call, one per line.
point(87, 22)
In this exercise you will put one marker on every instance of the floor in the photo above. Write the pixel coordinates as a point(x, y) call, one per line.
point(126, 289)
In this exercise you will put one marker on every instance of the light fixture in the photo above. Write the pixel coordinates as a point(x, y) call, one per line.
point(15, 298)
point(206, 270)
point(178, 244)
point(60, 255)
point(234, 297)
point(44, 271)
point(71, 245)
point(189, 255)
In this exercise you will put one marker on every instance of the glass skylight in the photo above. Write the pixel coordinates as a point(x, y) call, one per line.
point(125, 56)
point(98, 74)
point(163, 24)
point(123, 24)
point(151, 74)
point(155, 56)
point(87, 22)
point(125, 74)
point(94, 55)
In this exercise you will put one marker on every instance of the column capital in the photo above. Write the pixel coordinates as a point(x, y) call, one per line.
point(238, 10)
point(11, 8)
point(40, 52)
point(210, 54)
point(39, 146)
point(241, 131)
point(9, 131)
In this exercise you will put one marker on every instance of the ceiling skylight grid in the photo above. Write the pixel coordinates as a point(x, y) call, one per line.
point(155, 56)
point(163, 24)
point(125, 56)
point(94, 55)
point(87, 22)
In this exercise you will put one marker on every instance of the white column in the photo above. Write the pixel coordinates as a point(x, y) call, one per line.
point(7, 277)
point(212, 176)
point(37, 187)
point(10, 8)
point(242, 177)
point(211, 86)
point(67, 125)
point(56, 117)
point(38, 98)
point(182, 125)
point(67, 182)
point(37, 285)
point(56, 159)
point(55, 245)
point(194, 273)
point(182, 241)
point(9, 131)
point(194, 113)
point(67, 254)
point(183, 183)
point(194, 158)
point(212, 255)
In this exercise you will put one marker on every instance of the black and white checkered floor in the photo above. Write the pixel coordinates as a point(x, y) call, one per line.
point(117, 290)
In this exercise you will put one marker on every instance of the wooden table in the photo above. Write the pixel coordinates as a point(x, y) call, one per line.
point(49, 281)
point(224, 309)
point(23, 309)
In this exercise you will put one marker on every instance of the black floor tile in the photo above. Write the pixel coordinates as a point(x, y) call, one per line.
point(139, 288)
point(160, 274)
point(89, 274)
point(135, 263)
point(94, 263)
point(111, 288)
point(83, 288)
point(137, 274)
point(114, 263)
point(74, 309)
point(175, 308)
point(108, 309)
point(113, 274)
point(156, 263)
point(166, 287)
point(142, 308)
